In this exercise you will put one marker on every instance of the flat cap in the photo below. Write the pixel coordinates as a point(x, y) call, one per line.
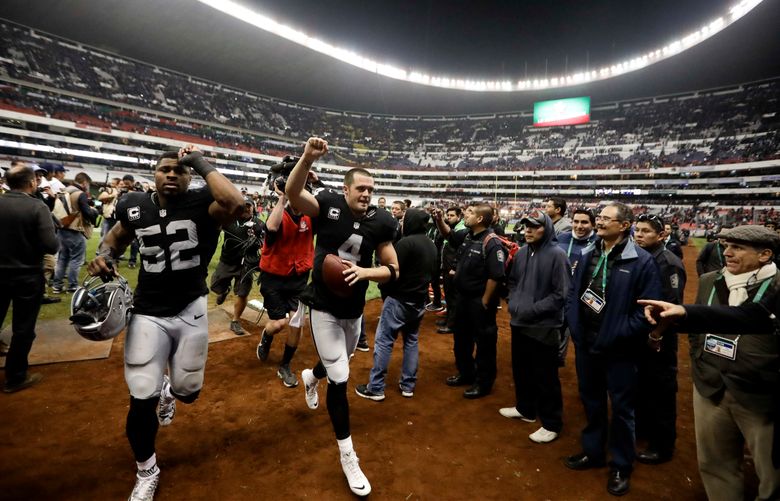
point(752, 234)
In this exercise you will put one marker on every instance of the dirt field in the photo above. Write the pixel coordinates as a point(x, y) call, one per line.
point(248, 437)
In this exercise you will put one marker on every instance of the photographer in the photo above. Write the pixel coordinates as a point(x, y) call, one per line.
point(78, 216)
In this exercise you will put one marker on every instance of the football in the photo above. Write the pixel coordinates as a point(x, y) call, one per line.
point(332, 268)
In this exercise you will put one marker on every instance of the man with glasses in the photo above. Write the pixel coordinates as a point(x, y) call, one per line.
point(656, 408)
point(608, 328)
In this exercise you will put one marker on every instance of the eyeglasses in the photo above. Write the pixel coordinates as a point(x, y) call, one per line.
point(607, 219)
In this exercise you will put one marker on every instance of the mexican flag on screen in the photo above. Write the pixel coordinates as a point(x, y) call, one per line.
point(572, 111)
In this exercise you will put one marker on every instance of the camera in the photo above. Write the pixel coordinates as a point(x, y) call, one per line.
point(280, 172)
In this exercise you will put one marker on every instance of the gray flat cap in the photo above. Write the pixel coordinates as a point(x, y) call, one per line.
point(752, 234)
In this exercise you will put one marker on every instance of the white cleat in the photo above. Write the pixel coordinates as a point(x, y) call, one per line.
point(310, 384)
point(145, 485)
point(166, 409)
point(358, 483)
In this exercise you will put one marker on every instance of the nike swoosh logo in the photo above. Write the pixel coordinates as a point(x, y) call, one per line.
point(198, 316)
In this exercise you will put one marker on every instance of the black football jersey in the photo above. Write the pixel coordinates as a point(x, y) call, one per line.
point(176, 246)
point(354, 239)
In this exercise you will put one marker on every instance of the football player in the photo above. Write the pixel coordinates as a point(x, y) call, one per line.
point(348, 226)
point(177, 229)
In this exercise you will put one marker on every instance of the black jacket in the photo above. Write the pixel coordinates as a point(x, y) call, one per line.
point(416, 261)
point(26, 234)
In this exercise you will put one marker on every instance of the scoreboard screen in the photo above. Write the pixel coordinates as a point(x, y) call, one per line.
point(572, 111)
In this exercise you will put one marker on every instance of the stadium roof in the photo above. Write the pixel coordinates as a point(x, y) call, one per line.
point(470, 38)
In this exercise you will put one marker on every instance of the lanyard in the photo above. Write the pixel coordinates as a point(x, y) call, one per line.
point(756, 298)
point(568, 252)
point(602, 260)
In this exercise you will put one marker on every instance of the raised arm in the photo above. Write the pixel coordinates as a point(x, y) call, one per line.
point(295, 188)
point(274, 220)
point(228, 203)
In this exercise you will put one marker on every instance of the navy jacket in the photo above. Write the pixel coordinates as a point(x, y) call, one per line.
point(623, 325)
point(567, 239)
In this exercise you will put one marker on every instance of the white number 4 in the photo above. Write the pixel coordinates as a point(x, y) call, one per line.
point(350, 249)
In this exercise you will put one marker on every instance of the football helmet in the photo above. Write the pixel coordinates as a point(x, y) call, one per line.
point(100, 309)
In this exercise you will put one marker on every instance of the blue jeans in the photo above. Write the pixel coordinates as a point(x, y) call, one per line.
point(73, 247)
point(396, 316)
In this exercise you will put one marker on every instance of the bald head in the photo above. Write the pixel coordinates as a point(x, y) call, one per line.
point(21, 178)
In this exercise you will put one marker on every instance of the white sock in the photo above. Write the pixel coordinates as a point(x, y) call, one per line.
point(345, 446)
point(149, 464)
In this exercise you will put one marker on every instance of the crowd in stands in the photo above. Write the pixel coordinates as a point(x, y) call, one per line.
point(727, 126)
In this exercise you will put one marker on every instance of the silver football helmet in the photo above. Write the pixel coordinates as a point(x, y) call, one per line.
point(100, 310)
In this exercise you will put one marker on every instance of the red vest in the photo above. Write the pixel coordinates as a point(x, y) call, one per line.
point(292, 250)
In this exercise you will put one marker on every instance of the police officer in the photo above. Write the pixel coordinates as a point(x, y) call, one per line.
point(479, 270)
point(656, 409)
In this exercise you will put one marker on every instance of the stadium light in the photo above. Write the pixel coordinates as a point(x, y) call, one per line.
point(265, 23)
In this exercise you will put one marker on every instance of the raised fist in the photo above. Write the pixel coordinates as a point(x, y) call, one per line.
point(315, 148)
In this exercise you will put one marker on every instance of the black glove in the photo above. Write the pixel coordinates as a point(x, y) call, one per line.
point(198, 163)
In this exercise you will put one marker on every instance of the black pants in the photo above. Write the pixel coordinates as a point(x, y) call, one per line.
point(436, 281)
point(25, 291)
point(537, 387)
point(476, 325)
point(451, 295)
point(656, 403)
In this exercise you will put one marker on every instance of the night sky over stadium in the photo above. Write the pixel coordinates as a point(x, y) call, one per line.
point(462, 38)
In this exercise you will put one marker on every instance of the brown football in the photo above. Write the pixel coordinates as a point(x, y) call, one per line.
point(332, 269)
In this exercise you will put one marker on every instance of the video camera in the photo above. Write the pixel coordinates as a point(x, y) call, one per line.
point(280, 172)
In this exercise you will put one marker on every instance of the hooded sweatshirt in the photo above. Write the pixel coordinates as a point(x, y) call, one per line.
point(539, 283)
point(416, 260)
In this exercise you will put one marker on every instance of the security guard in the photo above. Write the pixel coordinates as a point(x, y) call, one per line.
point(480, 268)
point(656, 403)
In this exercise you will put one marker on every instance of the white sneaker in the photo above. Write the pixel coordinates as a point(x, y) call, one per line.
point(357, 481)
point(543, 436)
point(145, 486)
point(512, 413)
point(310, 384)
point(166, 409)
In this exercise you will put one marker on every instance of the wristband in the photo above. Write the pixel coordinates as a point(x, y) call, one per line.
point(198, 163)
point(393, 275)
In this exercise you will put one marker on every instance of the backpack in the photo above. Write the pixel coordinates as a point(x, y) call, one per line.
point(510, 249)
point(63, 209)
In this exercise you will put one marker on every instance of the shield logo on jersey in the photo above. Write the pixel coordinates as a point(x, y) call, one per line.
point(304, 227)
point(334, 213)
point(675, 281)
point(133, 213)
point(163, 212)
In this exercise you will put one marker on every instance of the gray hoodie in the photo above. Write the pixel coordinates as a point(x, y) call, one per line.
point(539, 283)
